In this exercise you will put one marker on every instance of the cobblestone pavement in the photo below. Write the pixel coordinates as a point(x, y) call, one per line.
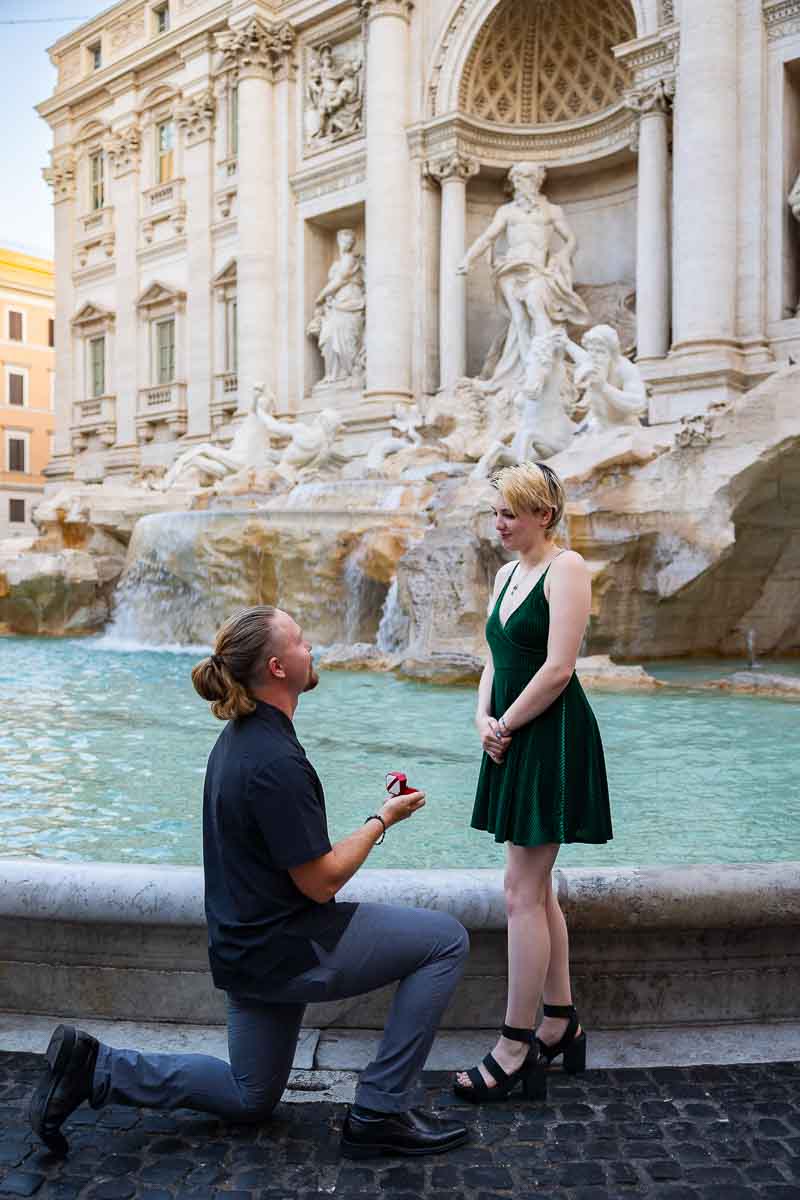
point(695, 1133)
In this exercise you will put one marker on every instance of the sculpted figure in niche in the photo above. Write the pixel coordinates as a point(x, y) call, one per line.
point(614, 392)
point(334, 97)
point(338, 321)
point(250, 447)
point(534, 280)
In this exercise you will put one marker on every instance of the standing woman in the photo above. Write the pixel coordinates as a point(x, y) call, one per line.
point(542, 780)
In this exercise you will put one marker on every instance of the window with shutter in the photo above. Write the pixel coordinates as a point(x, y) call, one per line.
point(16, 511)
point(97, 197)
point(165, 351)
point(165, 151)
point(51, 332)
point(16, 454)
point(97, 366)
point(14, 326)
point(16, 388)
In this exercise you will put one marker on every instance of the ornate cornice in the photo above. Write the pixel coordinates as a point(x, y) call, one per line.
point(258, 49)
point(122, 148)
point(651, 59)
point(324, 179)
point(453, 166)
point(371, 9)
point(61, 177)
point(781, 18)
point(502, 146)
point(195, 116)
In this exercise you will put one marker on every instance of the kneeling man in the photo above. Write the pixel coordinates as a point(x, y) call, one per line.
point(277, 938)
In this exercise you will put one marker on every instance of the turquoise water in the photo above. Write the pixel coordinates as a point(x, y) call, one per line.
point(102, 755)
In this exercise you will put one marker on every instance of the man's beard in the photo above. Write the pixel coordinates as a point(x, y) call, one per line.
point(313, 680)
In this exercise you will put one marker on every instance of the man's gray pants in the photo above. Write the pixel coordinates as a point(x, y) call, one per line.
point(424, 950)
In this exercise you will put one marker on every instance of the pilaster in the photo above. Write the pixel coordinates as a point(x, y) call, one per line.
point(61, 176)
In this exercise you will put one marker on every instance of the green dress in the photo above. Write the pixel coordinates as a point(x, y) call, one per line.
point(551, 785)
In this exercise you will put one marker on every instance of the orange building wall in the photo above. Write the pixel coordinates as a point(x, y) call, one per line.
point(27, 286)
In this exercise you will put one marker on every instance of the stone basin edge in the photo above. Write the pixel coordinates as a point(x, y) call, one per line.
point(696, 897)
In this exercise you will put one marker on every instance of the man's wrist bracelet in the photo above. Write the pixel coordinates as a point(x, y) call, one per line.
point(377, 817)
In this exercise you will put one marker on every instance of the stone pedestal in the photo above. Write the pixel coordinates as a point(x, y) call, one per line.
point(389, 259)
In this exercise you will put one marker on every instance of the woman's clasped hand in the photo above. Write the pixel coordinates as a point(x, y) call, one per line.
point(493, 740)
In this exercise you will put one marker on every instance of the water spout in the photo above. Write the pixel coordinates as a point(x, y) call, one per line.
point(750, 642)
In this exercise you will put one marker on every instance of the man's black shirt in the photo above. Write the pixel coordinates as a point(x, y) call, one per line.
point(263, 812)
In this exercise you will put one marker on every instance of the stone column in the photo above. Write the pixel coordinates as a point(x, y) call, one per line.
point(122, 149)
point(652, 222)
point(705, 167)
point(195, 117)
point(256, 50)
point(389, 252)
point(453, 172)
point(287, 352)
point(61, 177)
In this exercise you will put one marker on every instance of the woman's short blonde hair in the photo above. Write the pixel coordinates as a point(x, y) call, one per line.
point(532, 487)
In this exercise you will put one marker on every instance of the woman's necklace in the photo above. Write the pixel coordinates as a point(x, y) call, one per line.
point(527, 575)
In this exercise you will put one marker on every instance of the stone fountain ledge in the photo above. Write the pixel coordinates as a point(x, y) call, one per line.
point(651, 947)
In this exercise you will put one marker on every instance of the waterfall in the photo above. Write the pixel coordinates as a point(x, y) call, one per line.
point(356, 587)
point(394, 624)
point(163, 597)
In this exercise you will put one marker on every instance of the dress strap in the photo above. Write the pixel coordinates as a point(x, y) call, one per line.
point(552, 560)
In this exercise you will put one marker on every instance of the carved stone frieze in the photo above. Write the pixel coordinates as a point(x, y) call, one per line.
point(258, 48)
point(313, 183)
point(122, 148)
point(195, 116)
point(453, 166)
point(61, 177)
point(448, 40)
point(667, 12)
point(782, 18)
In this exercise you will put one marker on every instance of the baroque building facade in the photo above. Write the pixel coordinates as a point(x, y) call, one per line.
point(208, 154)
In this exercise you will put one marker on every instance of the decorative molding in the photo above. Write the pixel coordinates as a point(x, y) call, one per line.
point(370, 10)
point(667, 12)
point(225, 281)
point(452, 166)
point(502, 146)
point(782, 18)
point(92, 318)
point(652, 59)
point(317, 181)
point(656, 96)
point(195, 116)
point(258, 49)
point(160, 296)
point(122, 147)
point(61, 178)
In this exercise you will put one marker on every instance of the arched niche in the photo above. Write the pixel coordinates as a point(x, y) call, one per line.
point(462, 36)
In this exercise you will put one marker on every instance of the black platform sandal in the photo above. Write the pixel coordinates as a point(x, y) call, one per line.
point(571, 1044)
point(532, 1074)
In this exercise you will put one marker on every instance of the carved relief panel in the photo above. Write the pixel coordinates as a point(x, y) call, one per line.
point(333, 92)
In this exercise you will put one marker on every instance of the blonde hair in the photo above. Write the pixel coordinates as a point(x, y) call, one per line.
point(532, 487)
point(242, 648)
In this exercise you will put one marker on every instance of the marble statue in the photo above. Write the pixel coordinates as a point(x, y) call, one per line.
point(545, 427)
point(310, 447)
point(334, 97)
point(534, 282)
point(250, 447)
point(338, 322)
point(614, 392)
point(406, 424)
point(793, 200)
